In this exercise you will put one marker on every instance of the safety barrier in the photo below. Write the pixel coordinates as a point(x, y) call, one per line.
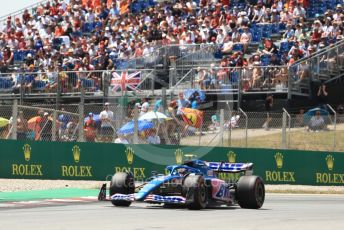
point(95, 161)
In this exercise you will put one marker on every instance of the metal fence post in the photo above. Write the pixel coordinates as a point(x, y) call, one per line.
point(222, 122)
point(284, 130)
point(136, 125)
point(14, 120)
point(230, 128)
point(287, 125)
point(81, 123)
point(289, 84)
point(334, 126)
point(53, 137)
point(172, 72)
point(163, 100)
point(246, 125)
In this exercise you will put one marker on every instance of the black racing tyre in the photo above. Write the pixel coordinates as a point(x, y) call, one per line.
point(195, 191)
point(250, 192)
point(122, 183)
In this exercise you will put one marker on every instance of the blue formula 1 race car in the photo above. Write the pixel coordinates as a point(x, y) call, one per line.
point(194, 185)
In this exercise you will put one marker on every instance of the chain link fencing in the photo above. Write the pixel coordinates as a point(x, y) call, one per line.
point(119, 123)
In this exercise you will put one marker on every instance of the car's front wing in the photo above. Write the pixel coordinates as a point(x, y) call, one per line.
point(150, 198)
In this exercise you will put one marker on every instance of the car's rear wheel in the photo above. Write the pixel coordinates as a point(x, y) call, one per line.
point(250, 192)
point(122, 183)
point(195, 191)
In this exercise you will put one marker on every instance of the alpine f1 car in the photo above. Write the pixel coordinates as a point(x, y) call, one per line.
point(194, 184)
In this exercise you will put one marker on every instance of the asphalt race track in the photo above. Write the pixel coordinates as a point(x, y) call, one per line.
point(279, 212)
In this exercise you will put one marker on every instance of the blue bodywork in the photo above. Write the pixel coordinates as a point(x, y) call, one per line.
point(178, 173)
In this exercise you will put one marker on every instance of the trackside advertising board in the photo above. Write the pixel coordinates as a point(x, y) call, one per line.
point(98, 161)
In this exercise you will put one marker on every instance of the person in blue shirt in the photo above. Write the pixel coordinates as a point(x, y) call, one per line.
point(182, 103)
point(63, 120)
point(195, 103)
point(114, 11)
point(158, 105)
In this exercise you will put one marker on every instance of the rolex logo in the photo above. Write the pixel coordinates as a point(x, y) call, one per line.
point(231, 157)
point(190, 156)
point(179, 156)
point(279, 160)
point(329, 162)
point(27, 151)
point(76, 153)
point(129, 152)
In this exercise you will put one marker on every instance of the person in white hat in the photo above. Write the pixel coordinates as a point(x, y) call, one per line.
point(106, 127)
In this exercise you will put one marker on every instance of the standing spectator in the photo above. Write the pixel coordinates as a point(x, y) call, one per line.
point(268, 106)
point(245, 38)
point(106, 128)
point(196, 102)
point(22, 126)
point(181, 103)
point(322, 96)
point(46, 126)
point(90, 129)
point(63, 120)
point(158, 105)
point(144, 107)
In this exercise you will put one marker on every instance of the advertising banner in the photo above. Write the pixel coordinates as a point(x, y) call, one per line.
point(99, 161)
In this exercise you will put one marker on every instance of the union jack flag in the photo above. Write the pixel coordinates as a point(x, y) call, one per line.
point(124, 81)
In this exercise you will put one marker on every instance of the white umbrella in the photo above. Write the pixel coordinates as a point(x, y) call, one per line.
point(153, 116)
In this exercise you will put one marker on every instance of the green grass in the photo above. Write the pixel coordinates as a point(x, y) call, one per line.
point(301, 140)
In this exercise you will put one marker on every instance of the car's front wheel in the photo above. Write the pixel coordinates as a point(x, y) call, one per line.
point(122, 183)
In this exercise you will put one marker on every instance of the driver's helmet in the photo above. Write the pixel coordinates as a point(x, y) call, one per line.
point(182, 171)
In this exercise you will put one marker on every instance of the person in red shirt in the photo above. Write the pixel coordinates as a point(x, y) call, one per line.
point(90, 129)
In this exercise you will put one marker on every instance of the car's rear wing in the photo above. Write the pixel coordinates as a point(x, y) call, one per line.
point(230, 167)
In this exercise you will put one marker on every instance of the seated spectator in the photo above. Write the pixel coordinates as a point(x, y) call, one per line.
point(152, 137)
point(269, 47)
point(302, 72)
point(233, 122)
point(257, 72)
point(215, 123)
point(281, 75)
point(289, 33)
point(121, 139)
point(317, 123)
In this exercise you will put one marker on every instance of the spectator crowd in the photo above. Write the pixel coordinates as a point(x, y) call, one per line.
point(87, 35)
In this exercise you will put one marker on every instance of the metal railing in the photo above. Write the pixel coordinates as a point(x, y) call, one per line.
point(58, 84)
point(324, 66)
point(234, 128)
point(213, 78)
point(31, 7)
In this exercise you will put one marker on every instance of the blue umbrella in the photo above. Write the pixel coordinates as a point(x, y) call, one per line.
point(188, 93)
point(129, 127)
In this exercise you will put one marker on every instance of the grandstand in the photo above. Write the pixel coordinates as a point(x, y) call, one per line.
point(63, 50)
